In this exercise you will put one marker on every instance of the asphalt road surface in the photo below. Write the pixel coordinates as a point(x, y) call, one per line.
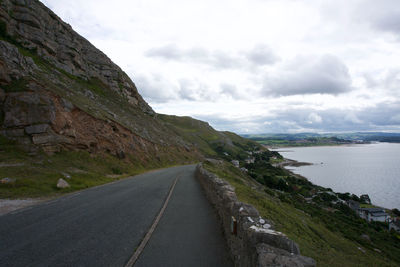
point(103, 226)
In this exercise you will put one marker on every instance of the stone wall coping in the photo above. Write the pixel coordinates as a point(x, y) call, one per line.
point(251, 239)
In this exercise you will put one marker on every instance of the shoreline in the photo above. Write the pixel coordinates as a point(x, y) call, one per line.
point(294, 163)
point(290, 162)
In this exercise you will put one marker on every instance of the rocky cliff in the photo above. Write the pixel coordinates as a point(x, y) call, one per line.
point(57, 91)
point(37, 28)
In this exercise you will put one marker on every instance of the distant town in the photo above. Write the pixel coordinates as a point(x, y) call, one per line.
point(315, 139)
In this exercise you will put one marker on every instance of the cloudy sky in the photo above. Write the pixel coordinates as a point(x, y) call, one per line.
point(255, 66)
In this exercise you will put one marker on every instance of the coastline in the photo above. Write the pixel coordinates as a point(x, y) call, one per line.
point(290, 162)
point(361, 169)
point(294, 163)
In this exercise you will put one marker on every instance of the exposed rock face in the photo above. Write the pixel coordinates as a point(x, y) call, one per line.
point(57, 91)
point(37, 28)
point(13, 64)
point(42, 119)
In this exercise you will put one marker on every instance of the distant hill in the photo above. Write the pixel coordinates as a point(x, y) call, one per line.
point(283, 139)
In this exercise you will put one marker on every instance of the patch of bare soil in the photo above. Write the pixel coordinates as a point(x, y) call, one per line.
point(8, 205)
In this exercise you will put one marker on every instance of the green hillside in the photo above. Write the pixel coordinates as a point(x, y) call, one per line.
point(207, 140)
point(332, 234)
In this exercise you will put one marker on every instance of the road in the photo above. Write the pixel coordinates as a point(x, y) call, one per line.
point(103, 226)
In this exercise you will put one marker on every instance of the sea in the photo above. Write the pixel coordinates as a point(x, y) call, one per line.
point(372, 169)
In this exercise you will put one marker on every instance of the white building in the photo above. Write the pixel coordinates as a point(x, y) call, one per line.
point(235, 163)
point(373, 214)
point(395, 224)
point(250, 160)
point(244, 169)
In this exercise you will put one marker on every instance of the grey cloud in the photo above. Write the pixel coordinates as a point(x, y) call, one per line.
point(230, 90)
point(193, 90)
point(383, 117)
point(262, 55)
point(189, 90)
point(389, 80)
point(218, 59)
point(390, 22)
point(382, 15)
point(155, 88)
point(258, 56)
point(223, 60)
point(186, 90)
point(305, 75)
point(167, 52)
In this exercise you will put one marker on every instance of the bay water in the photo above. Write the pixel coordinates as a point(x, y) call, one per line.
point(372, 169)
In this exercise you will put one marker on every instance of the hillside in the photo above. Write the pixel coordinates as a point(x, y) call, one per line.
point(65, 107)
point(208, 141)
point(59, 91)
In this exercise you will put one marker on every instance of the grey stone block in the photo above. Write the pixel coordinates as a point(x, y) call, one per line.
point(14, 132)
point(49, 139)
point(36, 129)
point(272, 256)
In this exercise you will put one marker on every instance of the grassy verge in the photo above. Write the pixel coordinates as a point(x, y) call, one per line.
point(321, 234)
point(37, 175)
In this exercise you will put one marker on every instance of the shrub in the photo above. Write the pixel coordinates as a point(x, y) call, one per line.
point(3, 29)
point(116, 170)
point(327, 197)
point(396, 212)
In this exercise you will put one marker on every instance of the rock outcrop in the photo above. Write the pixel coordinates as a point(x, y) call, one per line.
point(37, 28)
point(57, 91)
point(62, 184)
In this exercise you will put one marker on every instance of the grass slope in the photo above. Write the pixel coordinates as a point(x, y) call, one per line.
point(331, 238)
point(37, 175)
point(207, 140)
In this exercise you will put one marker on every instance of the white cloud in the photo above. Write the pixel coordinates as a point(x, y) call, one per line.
point(314, 118)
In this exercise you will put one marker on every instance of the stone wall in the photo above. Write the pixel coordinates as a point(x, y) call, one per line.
point(251, 239)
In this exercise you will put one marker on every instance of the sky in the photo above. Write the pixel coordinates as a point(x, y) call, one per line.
point(255, 66)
